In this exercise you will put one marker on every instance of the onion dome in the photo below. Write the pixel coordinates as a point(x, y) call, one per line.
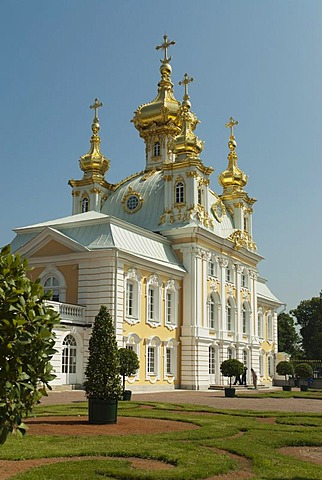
point(187, 144)
point(162, 111)
point(233, 179)
point(94, 163)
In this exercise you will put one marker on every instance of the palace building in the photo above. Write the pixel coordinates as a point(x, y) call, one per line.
point(174, 261)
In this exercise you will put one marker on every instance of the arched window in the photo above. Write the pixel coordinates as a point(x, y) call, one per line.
point(260, 323)
point(199, 196)
point(213, 311)
point(179, 190)
point(85, 205)
point(230, 310)
point(132, 296)
point(156, 149)
point(246, 317)
point(269, 326)
point(52, 284)
point(171, 304)
point(153, 303)
point(69, 354)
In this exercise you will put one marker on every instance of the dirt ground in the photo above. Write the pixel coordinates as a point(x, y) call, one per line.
point(79, 426)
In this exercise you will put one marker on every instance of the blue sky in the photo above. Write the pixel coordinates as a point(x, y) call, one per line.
point(258, 61)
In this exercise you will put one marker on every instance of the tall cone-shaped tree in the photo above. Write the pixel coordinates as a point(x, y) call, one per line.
point(103, 368)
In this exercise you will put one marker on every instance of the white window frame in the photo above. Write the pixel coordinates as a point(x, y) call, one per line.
point(153, 301)
point(270, 332)
point(157, 149)
point(85, 204)
point(213, 311)
point(179, 191)
point(260, 323)
point(171, 304)
point(52, 272)
point(170, 355)
point(133, 341)
point(212, 360)
point(230, 314)
point(133, 278)
point(155, 344)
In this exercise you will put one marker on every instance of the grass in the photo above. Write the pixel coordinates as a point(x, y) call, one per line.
point(310, 394)
point(193, 454)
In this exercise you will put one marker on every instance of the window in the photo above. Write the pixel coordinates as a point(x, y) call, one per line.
point(260, 323)
point(269, 326)
point(168, 308)
point(153, 303)
point(270, 365)
point(212, 360)
point(228, 275)
point(244, 315)
point(245, 223)
point(211, 269)
point(244, 279)
point(229, 353)
point(211, 313)
point(156, 149)
point(151, 361)
point(132, 288)
point(200, 196)
point(69, 355)
point(129, 299)
point(261, 364)
point(52, 284)
point(213, 310)
point(230, 315)
point(245, 358)
point(168, 361)
point(85, 205)
point(179, 192)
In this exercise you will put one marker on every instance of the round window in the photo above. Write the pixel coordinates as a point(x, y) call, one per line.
point(132, 202)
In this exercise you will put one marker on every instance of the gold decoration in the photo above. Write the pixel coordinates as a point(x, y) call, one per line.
point(132, 201)
point(219, 210)
point(242, 239)
point(165, 45)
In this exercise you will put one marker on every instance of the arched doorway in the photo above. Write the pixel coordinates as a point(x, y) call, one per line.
point(69, 357)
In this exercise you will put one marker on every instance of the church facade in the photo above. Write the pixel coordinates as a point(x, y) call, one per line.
point(174, 261)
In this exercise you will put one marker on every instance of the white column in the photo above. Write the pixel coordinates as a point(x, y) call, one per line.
point(239, 329)
point(223, 262)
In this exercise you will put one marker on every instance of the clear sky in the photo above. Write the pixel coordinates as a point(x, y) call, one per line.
point(258, 61)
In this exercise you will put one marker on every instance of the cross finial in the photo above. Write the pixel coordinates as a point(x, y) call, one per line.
point(165, 45)
point(96, 105)
point(231, 125)
point(186, 80)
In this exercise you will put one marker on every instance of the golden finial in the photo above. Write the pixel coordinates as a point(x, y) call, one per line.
point(165, 45)
point(96, 105)
point(231, 125)
point(186, 80)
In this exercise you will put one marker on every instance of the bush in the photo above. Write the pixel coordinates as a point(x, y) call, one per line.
point(26, 343)
point(129, 363)
point(285, 368)
point(103, 368)
point(231, 368)
point(303, 370)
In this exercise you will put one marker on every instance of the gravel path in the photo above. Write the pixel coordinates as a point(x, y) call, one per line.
point(210, 398)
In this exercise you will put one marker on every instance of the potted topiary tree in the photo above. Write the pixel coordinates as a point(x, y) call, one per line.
point(231, 368)
point(285, 368)
point(103, 384)
point(303, 371)
point(129, 364)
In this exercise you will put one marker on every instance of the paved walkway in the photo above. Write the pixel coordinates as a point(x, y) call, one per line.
point(211, 398)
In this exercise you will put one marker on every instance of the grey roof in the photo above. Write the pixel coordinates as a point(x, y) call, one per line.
point(264, 292)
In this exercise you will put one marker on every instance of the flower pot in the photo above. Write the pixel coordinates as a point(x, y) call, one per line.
point(304, 388)
point(127, 395)
point(101, 412)
point(230, 392)
point(287, 388)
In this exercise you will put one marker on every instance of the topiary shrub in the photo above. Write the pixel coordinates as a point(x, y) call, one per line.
point(129, 363)
point(303, 370)
point(103, 368)
point(285, 368)
point(231, 368)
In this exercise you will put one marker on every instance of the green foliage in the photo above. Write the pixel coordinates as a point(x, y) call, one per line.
point(103, 368)
point(288, 339)
point(285, 368)
point(309, 316)
point(129, 363)
point(303, 370)
point(187, 455)
point(231, 368)
point(26, 343)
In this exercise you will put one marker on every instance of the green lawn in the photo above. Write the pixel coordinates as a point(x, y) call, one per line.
point(192, 454)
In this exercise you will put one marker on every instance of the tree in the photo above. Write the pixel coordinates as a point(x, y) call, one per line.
point(129, 363)
point(26, 343)
point(288, 338)
point(103, 368)
point(285, 368)
point(309, 316)
point(231, 368)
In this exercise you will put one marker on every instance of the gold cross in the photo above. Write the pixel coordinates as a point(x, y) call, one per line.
point(165, 45)
point(186, 80)
point(96, 105)
point(231, 125)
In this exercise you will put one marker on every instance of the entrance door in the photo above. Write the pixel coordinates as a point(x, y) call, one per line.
point(69, 356)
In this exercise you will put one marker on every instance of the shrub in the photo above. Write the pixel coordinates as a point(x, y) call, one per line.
point(231, 368)
point(285, 368)
point(303, 370)
point(129, 363)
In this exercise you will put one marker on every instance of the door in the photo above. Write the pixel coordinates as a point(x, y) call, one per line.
point(212, 365)
point(69, 357)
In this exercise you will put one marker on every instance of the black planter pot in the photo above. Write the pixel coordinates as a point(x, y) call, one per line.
point(304, 388)
point(287, 388)
point(127, 395)
point(230, 392)
point(101, 412)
